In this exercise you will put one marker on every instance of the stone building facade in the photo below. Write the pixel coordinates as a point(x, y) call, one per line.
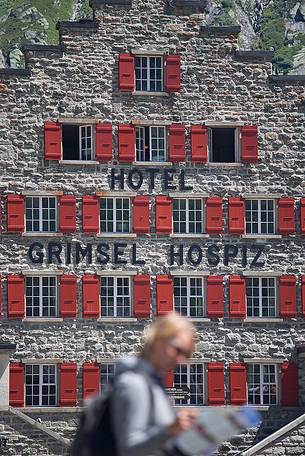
point(149, 164)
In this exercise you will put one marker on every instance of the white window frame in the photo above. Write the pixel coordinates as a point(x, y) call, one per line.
point(188, 364)
point(115, 296)
point(41, 384)
point(40, 198)
point(142, 128)
point(148, 80)
point(187, 221)
point(260, 279)
point(91, 136)
point(188, 297)
point(40, 278)
point(107, 374)
point(259, 212)
point(261, 366)
point(114, 211)
point(237, 141)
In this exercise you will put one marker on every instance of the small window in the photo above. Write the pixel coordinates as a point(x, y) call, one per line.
point(77, 142)
point(40, 385)
point(262, 381)
point(224, 145)
point(41, 214)
point(115, 215)
point(188, 215)
point(188, 296)
point(260, 216)
point(41, 296)
point(115, 297)
point(190, 376)
point(151, 144)
point(149, 74)
point(107, 373)
point(261, 297)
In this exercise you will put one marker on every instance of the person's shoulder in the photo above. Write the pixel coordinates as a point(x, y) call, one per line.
point(131, 380)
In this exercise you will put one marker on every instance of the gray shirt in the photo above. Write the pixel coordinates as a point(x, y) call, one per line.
point(141, 409)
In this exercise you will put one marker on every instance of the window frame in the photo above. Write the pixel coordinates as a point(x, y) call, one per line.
point(41, 384)
point(80, 126)
point(114, 212)
point(261, 385)
point(188, 296)
point(148, 57)
point(237, 143)
point(40, 208)
point(142, 128)
point(115, 297)
point(260, 296)
point(259, 222)
point(92, 154)
point(107, 374)
point(181, 403)
point(56, 286)
point(187, 221)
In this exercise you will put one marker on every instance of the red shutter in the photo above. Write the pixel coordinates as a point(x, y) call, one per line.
point(103, 142)
point(127, 145)
point(249, 148)
point(141, 296)
point(141, 215)
point(164, 215)
point(91, 296)
point(91, 380)
point(67, 214)
point(172, 73)
point(16, 385)
point(68, 296)
point(289, 385)
point(288, 296)
point(91, 216)
point(302, 209)
point(237, 297)
point(68, 384)
point(286, 223)
point(214, 215)
point(236, 214)
point(216, 384)
point(176, 143)
point(168, 379)
point(52, 141)
point(15, 297)
point(215, 297)
point(15, 213)
point(165, 294)
point(303, 295)
point(238, 384)
point(126, 73)
point(199, 143)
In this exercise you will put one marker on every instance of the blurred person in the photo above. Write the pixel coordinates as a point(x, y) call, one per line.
point(143, 418)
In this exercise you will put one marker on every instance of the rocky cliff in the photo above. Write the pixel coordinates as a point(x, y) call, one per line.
point(266, 24)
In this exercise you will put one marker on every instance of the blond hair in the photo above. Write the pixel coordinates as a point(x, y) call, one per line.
point(165, 328)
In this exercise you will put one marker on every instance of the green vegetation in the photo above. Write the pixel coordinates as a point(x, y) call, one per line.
point(86, 10)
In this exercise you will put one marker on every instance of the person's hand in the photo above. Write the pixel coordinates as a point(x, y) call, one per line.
point(184, 421)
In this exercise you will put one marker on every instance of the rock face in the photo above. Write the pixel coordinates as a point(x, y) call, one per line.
point(266, 24)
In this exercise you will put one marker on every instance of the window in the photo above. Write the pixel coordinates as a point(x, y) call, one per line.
point(41, 214)
point(115, 297)
point(190, 376)
point(149, 74)
point(115, 215)
point(107, 373)
point(77, 142)
point(188, 295)
point(41, 296)
point(224, 145)
point(262, 380)
point(40, 385)
point(151, 144)
point(188, 215)
point(260, 216)
point(261, 297)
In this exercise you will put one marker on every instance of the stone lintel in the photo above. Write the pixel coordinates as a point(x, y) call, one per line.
point(254, 55)
point(220, 30)
point(43, 48)
point(84, 24)
point(287, 78)
point(98, 3)
point(14, 72)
